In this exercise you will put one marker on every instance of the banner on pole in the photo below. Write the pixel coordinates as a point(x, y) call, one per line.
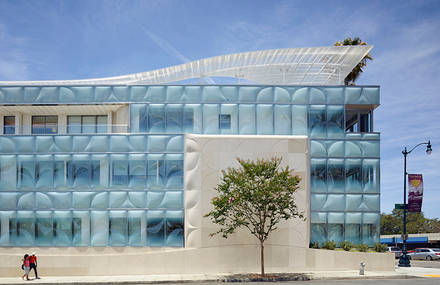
point(415, 192)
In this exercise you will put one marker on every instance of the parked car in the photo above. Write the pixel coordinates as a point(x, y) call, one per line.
point(397, 251)
point(425, 253)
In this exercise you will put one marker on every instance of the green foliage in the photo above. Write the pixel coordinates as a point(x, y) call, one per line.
point(257, 196)
point(362, 247)
point(378, 247)
point(346, 245)
point(331, 245)
point(359, 68)
point(416, 223)
point(315, 245)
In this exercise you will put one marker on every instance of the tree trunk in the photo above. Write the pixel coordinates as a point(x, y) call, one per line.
point(262, 257)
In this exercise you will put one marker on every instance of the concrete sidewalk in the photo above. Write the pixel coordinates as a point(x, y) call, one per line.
point(411, 272)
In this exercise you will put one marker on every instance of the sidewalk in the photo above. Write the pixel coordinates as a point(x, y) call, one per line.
point(411, 272)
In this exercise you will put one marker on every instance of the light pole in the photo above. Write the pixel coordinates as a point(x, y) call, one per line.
point(404, 259)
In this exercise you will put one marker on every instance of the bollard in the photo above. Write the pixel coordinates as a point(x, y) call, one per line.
point(362, 268)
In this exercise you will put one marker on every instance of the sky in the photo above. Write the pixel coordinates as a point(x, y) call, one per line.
point(48, 40)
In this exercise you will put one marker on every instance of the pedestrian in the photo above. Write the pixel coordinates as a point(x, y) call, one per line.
point(26, 267)
point(33, 264)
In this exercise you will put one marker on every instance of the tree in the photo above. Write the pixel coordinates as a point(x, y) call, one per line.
point(359, 68)
point(257, 196)
point(415, 223)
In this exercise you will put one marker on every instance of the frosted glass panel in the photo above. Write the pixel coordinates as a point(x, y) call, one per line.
point(317, 122)
point(299, 120)
point(155, 228)
point(265, 119)
point(335, 175)
point(318, 175)
point(210, 119)
point(283, 124)
point(370, 175)
point(353, 175)
point(247, 117)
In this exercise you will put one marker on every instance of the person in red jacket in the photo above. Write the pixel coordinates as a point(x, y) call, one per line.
point(33, 264)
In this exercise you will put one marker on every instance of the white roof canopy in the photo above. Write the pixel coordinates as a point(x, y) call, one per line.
point(293, 66)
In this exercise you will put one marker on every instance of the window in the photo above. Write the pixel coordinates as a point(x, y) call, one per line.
point(87, 124)
point(44, 124)
point(9, 125)
point(224, 122)
point(358, 121)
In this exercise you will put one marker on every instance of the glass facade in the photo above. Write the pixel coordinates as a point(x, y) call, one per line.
point(127, 190)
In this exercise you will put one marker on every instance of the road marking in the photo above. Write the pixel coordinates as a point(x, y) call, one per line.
point(432, 275)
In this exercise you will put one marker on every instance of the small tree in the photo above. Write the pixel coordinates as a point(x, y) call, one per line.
point(257, 196)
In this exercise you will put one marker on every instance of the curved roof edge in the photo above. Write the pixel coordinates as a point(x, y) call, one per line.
point(290, 66)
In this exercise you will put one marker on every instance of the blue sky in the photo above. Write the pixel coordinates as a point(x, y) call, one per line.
point(43, 40)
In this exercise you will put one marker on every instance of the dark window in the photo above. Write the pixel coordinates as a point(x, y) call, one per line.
point(358, 121)
point(87, 124)
point(9, 125)
point(224, 122)
point(44, 124)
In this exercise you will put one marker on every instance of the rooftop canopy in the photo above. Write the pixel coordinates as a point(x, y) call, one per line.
point(292, 66)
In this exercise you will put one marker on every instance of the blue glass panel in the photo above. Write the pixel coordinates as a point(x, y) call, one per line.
point(335, 148)
point(137, 93)
point(174, 171)
point(210, 119)
point(43, 228)
point(248, 94)
point(119, 171)
point(192, 94)
point(7, 172)
point(336, 226)
point(25, 228)
point(155, 228)
point(136, 237)
point(317, 149)
point(100, 173)
point(44, 172)
point(155, 199)
point(353, 203)
point(371, 202)
point(318, 227)
point(119, 144)
point(283, 124)
point(317, 122)
point(230, 93)
point(352, 95)
point(172, 200)
point(26, 171)
point(299, 120)
point(8, 201)
point(212, 94)
point(81, 228)
point(174, 228)
point(353, 175)
point(99, 144)
point(230, 110)
point(192, 118)
point(7, 145)
point(43, 201)
point(118, 228)
point(265, 115)
point(281, 95)
point(138, 118)
point(175, 144)
point(137, 169)
point(247, 119)
point(174, 118)
point(301, 96)
point(174, 93)
point(60, 200)
point(317, 96)
point(79, 171)
point(335, 95)
point(318, 175)
point(99, 225)
point(335, 121)
point(157, 143)
point(24, 144)
point(336, 175)
point(370, 148)
point(62, 228)
point(265, 95)
point(155, 94)
point(370, 175)
point(26, 201)
point(370, 228)
point(353, 149)
point(334, 202)
point(156, 118)
point(100, 201)
point(82, 200)
point(353, 227)
point(371, 95)
point(156, 174)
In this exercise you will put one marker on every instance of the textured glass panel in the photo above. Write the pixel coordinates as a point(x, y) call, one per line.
point(371, 94)
point(318, 233)
point(335, 148)
point(119, 144)
point(7, 172)
point(281, 95)
point(82, 200)
point(265, 122)
point(138, 143)
point(136, 237)
point(81, 228)
point(317, 122)
point(230, 110)
point(156, 172)
point(247, 119)
point(100, 201)
point(371, 202)
point(317, 149)
point(62, 228)
point(174, 228)
point(60, 171)
point(335, 175)
point(8, 201)
point(299, 120)
point(318, 175)
point(25, 227)
point(99, 228)
point(334, 202)
point(353, 182)
point(137, 170)
point(156, 118)
point(353, 202)
point(119, 170)
point(79, 171)
point(26, 171)
point(192, 118)
point(157, 143)
point(26, 201)
point(118, 228)
point(335, 121)
point(138, 118)
point(25, 144)
point(43, 228)
point(265, 95)
point(317, 201)
point(283, 124)
point(7, 145)
point(172, 200)
point(353, 227)
point(230, 93)
point(174, 93)
point(175, 144)
point(155, 199)
point(210, 119)
point(155, 228)
point(99, 165)
point(301, 96)
point(336, 226)
point(370, 148)
point(248, 94)
point(174, 172)
point(44, 172)
point(316, 96)
point(370, 228)
point(335, 95)
point(370, 175)
point(155, 94)
point(352, 95)
point(174, 118)
point(192, 93)
point(43, 201)
point(62, 201)
point(212, 94)
point(11, 218)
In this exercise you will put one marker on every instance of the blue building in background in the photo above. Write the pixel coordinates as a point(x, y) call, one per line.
point(100, 162)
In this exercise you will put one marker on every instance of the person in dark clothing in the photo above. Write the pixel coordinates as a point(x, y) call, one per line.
point(33, 264)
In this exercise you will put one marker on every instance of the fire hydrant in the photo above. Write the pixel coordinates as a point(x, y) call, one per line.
point(362, 268)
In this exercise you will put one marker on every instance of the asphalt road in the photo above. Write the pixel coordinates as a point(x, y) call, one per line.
point(426, 264)
point(412, 281)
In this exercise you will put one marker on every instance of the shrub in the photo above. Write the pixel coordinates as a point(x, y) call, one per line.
point(363, 247)
point(315, 245)
point(331, 245)
point(346, 245)
point(380, 247)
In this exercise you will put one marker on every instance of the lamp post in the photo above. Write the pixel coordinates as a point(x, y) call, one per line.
point(404, 259)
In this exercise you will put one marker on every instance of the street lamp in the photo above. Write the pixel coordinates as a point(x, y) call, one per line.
point(404, 259)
